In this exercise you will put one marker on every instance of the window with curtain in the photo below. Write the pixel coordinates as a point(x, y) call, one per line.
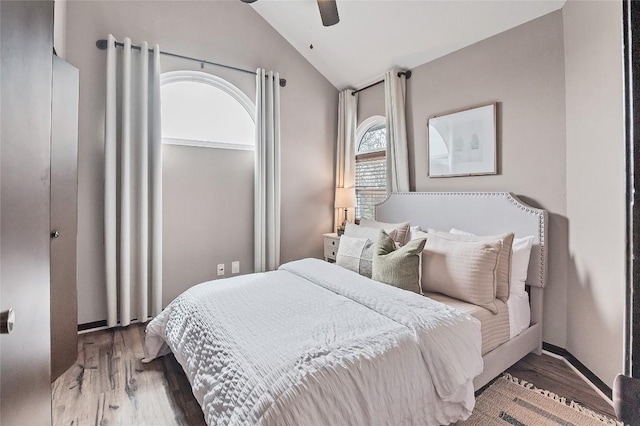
point(200, 109)
point(371, 165)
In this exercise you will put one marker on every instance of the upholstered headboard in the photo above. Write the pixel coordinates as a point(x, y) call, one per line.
point(482, 213)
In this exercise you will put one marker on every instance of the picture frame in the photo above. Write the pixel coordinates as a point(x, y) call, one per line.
point(463, 142)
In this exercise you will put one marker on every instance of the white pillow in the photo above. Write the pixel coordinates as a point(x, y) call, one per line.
point(399, 232)
point(357, 231)
point(521, 252)
point(355, 254)
point(520, 264)
point(417, 233)
point(352, 230)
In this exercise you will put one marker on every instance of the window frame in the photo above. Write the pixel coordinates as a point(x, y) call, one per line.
point(364, 127)
point(189, 76)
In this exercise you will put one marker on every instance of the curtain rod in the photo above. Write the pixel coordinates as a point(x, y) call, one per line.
point(400, 74)
point(102, 45)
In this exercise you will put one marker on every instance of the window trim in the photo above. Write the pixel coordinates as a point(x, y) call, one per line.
point(364, 127)
point(209, 144)
point(218, 83)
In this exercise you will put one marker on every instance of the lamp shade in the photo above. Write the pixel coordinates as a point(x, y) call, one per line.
point(345, 198)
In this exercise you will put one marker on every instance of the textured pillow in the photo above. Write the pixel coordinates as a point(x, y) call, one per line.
point(463, 270)
point(355, 254)
point(401, 230)
point(371, 234)
point(398, 267)
point(520, 253)
point(503, 271)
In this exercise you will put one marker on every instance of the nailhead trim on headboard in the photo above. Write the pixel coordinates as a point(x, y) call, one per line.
point(540, 214)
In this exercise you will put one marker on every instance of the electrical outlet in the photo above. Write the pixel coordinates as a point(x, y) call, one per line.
point(220, 269)
point(235, 267)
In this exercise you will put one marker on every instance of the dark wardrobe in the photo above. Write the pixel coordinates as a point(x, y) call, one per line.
point(38, 196)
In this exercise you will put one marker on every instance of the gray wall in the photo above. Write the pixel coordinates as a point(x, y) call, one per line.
point(208, 206)
point(595, 184)
point(371, 102)
point(207, 214)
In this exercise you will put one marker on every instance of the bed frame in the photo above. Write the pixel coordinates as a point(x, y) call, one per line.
point(484, 213)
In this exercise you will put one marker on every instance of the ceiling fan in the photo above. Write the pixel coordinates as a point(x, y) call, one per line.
point(328, 11)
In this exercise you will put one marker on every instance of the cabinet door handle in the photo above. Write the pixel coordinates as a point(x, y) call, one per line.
point(7, 319)
point(55, 233)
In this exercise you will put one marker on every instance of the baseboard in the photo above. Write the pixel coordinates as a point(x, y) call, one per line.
point(588, 374)
point(91, 325)
point(101, 325)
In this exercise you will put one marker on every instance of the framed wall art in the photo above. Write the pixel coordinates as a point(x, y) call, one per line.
point(463, 142)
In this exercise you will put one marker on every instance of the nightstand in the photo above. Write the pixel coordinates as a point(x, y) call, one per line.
point(331, 243)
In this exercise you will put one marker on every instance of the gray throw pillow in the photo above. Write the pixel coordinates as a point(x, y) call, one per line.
point(399, 267)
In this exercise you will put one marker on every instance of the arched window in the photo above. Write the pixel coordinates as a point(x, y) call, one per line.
point(200, 109)
point(371, 165)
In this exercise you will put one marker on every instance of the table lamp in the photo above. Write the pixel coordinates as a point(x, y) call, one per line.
point(345, 199)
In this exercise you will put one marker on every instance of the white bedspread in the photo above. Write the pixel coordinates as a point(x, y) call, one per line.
point(316, 344)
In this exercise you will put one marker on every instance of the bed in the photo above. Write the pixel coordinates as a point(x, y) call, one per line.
point(314, 343)
point(484, 213)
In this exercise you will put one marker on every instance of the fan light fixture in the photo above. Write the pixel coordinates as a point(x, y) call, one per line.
point(328, 11)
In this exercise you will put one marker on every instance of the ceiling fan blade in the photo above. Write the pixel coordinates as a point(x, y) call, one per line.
point(328, 12)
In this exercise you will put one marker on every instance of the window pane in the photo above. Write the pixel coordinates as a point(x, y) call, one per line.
point(371, 174)
point(199, 111)
point(367, 201)
point(371, 185)
point(375, 139)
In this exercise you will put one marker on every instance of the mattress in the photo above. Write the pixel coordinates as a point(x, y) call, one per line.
point(314, 343)
point(519, 313)
point(495, 327)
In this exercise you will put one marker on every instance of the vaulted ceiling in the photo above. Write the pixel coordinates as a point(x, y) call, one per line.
point(373, 36)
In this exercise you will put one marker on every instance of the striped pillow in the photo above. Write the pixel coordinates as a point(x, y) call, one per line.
point(465, 270)
point(503, 272)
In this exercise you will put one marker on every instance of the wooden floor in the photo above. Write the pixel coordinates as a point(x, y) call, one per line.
point(109, 385)
point(553, 374)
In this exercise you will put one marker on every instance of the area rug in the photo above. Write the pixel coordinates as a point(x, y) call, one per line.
point(511, 401)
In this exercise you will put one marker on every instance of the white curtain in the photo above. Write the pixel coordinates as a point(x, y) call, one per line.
point(133, 184)
point(267, 172)
point(346, 149)
point(397, 152)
